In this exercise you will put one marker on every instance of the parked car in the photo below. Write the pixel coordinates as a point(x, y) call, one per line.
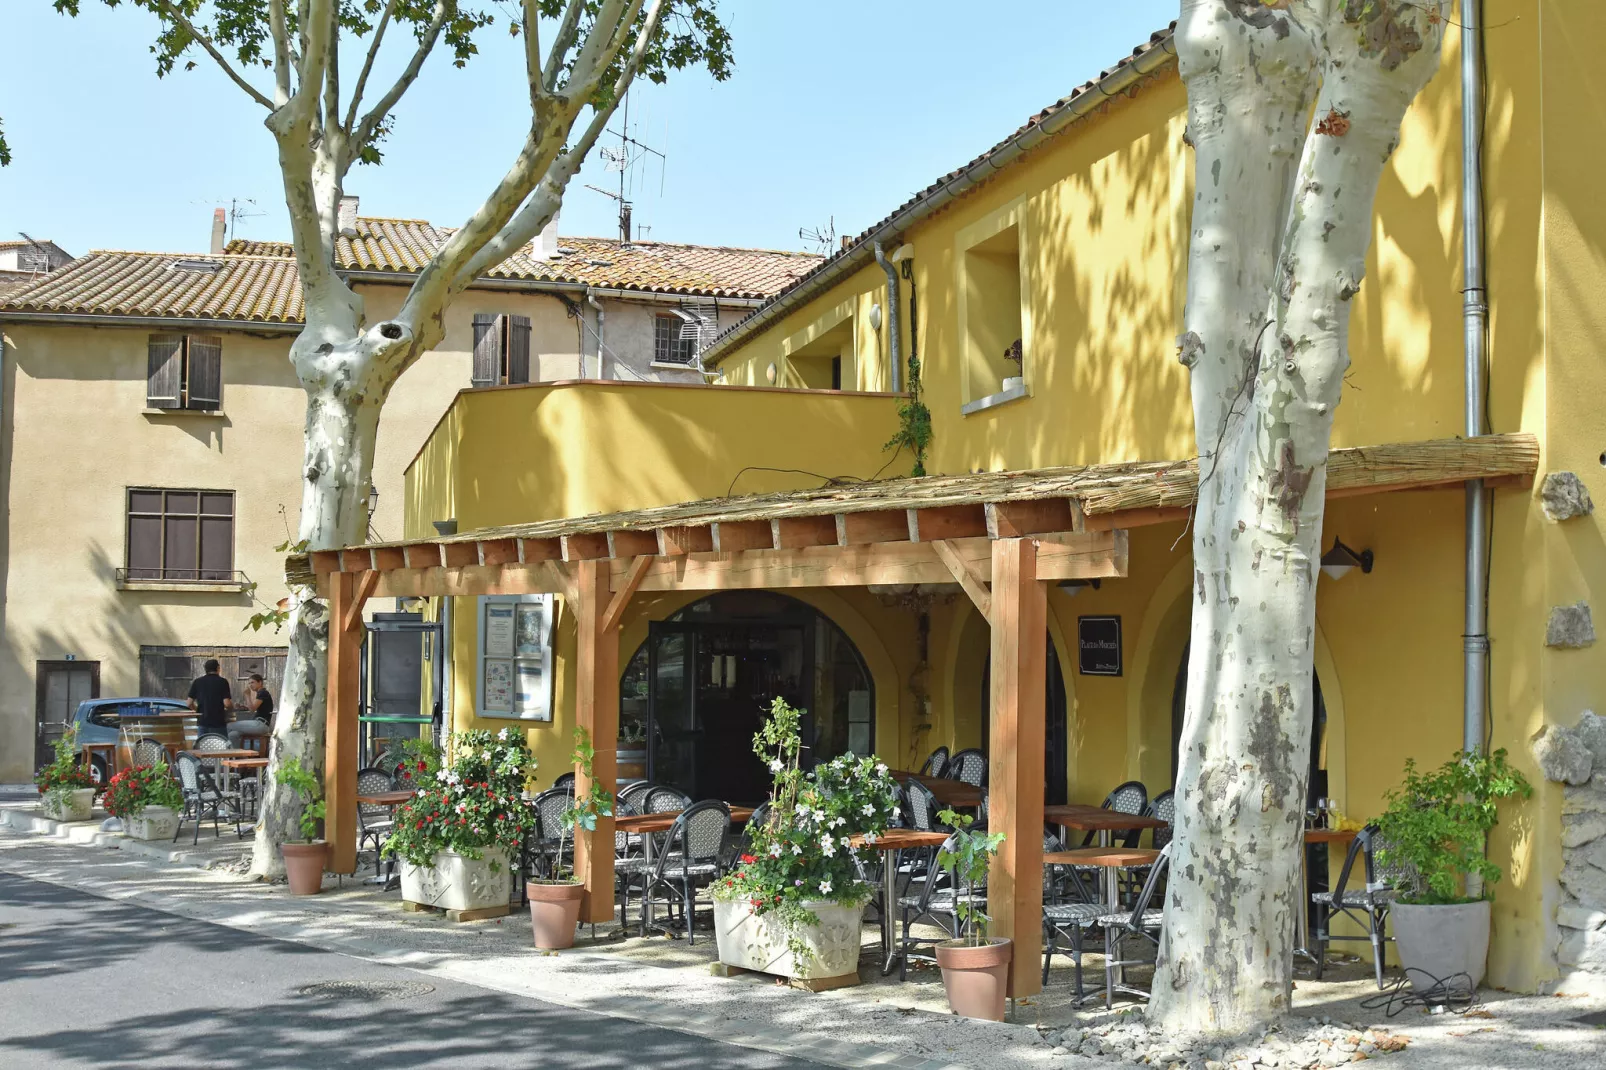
point(98, 721)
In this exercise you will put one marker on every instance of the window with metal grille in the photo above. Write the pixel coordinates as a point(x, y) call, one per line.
point(180, 536)
point(671, 344)
point(184, 371)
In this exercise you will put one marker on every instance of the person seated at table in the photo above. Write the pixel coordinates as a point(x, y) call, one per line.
point(259, 702)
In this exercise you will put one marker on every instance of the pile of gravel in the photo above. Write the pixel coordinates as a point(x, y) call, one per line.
point(1298, 1044)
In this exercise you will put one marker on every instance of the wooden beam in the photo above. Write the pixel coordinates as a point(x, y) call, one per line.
point(341, 697)
point(533, 550)
point(585, 547)
point(366, 583)
point(389, 558)
point(795, 532)
point(881, 525)
point(947, 522)
point(458, 554)
point(1013, 520)
point(325, 561)
point(356, 560)
point(596, 705)
point(422, 554)
point(743, 535)
point(1016, 747)
point(499, 552)
point(632, 543)
point(1137, 518)
point(967, 576)
point(674, 541)
point(623, 592)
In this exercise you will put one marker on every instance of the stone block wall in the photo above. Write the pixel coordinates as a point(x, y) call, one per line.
point(1576, 757)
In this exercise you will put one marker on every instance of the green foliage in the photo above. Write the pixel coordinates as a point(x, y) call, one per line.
point(583, 813)
point(914, 422)
point(804, 851)
point(966, 862)
point(139, 786)
point(474, 802)
point(1438, 823)
point(65, 773)
point(5, 150)
point(306, 784)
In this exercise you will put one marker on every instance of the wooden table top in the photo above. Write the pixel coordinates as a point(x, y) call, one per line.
point(899, 839)
point(1329, 835)
point(1098, 819)
point(244, 763)
point(209, 754)
point(1101, 856)
point(665, 821)
point(385, 798)
point(952, 792)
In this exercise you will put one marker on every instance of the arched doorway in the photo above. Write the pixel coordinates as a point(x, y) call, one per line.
point(1056, 727)
point(701, 683)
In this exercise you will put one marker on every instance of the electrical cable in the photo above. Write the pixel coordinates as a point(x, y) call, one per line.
point(1444, 994)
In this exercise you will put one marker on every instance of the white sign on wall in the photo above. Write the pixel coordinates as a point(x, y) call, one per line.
point(515, 656)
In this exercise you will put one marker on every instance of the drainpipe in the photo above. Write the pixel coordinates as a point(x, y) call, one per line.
point(1475, 315)
point(894, 356)
point(602, 320)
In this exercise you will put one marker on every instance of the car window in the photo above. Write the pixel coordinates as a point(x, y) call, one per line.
point(106, 714)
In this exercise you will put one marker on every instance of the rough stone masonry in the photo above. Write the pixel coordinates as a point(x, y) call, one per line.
point(1576, 758)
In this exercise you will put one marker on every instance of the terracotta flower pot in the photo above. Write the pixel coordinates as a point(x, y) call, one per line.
point(976, 978)
point(303, 866)
point(554, 912)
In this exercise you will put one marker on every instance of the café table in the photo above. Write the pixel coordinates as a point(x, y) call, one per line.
point(220, 756)
point(1097, 819)
point(1313, 836)
point(648, 824)
point(382, 798)
point(889, 844)
point(948, 792)
point(239, 764)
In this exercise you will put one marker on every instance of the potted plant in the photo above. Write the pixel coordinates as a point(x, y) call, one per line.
point(67, 786)
point(1434, 832)
point(795, 904)
point(555, 901)
point(147, 800)
point(632, 750)
point(975, 968)
point(464, 823)
point(304, 860)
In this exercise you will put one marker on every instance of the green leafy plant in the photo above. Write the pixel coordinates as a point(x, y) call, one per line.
point(474, 802)
point(583, 813)
point(965, 859)
point(301, 780)
point(914, 422)
point(1437, 824)
point(66, 772)
point(139, 786)
point(818, 823)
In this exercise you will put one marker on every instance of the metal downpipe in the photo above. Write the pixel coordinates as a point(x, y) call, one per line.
point(1475, 319)
point(894, 349)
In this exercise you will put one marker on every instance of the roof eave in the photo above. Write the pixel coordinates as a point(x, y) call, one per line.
point(111, 319)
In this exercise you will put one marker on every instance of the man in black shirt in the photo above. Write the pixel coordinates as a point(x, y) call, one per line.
point(211, 698)
point(260, 704)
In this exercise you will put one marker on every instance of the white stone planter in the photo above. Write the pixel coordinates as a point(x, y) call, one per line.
point(458, 883)
point(79, 806)
point(758, 942)
point(152, 823)
point(1442, 940)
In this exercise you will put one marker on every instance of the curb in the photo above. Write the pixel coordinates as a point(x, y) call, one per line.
point(88, 834)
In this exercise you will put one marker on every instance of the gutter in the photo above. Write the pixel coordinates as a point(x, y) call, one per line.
point(894, 350)
point(860, 254)
point(1475, 321)
point(100, 319)
point(578, 289)
point(602, 322)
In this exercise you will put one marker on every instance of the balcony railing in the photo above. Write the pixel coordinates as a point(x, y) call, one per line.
point(209, 577)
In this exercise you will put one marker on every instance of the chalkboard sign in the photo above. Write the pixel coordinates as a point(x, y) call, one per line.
point(1098, 646)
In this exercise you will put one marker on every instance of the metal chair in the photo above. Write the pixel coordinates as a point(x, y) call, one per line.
point(374, 821)
point(1367, 906)
point(936, 763)
point(692, 857)
point(1143, 921)
point(664, 800)
point(549, 832)
point(201, 798)
point(1129, 798)
point(565, 780)
point(149, 752)
point(1068, 921)
point(936, 901)
point(629, 864)
point(968, 767)
point(921, 807)
point(635, 794)
point(1163, 807)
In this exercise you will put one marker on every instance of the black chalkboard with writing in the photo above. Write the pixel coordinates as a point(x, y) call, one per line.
point(1098, 646)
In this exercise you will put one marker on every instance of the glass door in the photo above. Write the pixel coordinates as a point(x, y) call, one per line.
point(671, 721)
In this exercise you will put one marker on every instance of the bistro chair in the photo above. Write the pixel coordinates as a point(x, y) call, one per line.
point(202, 799)
point(547, 837)
point(936, 763)
point(1129, 798)
point(968, 767)
point(1163, 807)
point(693, 857)
point(921, 807)
point(151, 753)
point(761, 815)
point(629, 864)
point(635, 794)
point(565, 780)
point(1367, 906)
point(1064, 923)
point(664, 800)
point(936, 900)
point(374, 821)
point(1143, 922)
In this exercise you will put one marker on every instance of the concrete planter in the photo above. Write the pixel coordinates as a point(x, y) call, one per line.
point(758, 942)
point(79, 805)
point(1442, 940)
point(152, 823)
point(456, 882)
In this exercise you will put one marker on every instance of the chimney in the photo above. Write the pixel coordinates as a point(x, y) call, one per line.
point(219, 228)
point(546, 243)
point(846, 241)
point(346, 217)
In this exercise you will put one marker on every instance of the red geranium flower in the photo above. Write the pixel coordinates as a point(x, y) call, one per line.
point(749, 859)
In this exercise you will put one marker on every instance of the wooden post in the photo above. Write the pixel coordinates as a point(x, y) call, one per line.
point(596, 708)
point(342, 698)
point(1015, 753)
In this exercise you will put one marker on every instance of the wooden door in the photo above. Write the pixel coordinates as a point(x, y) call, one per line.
point(62, 685)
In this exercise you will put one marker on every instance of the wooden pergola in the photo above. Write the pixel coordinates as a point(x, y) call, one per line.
point(1001, 536)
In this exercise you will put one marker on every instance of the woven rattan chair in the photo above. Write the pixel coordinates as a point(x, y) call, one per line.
point(664, 800)
point(1142, 921)
point(565, 780)
point(693, 856)
point(1163, 807)
point(921, 807)
point(1367, 905)
point(202, 799)
point(548, 838)
point(374, 821)
point(968, 767)
point(936, 763)
point(149, 752)
point(935, 899)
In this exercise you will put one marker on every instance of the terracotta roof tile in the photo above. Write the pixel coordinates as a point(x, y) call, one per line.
point(257, 289)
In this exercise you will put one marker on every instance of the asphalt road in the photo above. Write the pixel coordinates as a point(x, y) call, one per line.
point(88, 982)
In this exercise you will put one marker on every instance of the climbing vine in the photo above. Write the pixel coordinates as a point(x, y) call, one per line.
point(914, 422)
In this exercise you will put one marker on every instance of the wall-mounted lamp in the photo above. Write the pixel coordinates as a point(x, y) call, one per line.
point(1340, 559)
point(875, 317)
point(373, 500)
point(1076, 587)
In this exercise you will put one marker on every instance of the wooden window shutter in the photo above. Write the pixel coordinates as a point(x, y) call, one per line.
point(206, 371)
point(487, 350)
point(518, 349)
point(164, 363)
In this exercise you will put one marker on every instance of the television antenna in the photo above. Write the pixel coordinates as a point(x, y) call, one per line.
point(239, 208)
point(824, 238)
point(623, 160)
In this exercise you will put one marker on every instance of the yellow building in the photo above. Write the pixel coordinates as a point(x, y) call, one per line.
point(152, 432)
point(1041, 288)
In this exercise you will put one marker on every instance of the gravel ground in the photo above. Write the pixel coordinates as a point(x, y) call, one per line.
point(667, 981)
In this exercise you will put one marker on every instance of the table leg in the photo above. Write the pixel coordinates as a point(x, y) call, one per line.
point(889, 903)
point(646, 880)
point(1302, 912)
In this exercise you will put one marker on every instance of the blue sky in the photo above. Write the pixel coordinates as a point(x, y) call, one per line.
point(837, 109)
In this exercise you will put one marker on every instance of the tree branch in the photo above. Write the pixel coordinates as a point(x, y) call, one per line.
point(532, 51)
point(281, 52)
point(404, 81)
point(562, 41)
point(206, 42)
point(350, 124)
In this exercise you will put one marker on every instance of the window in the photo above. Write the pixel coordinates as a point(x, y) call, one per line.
point(674, 340)
point(180, 536)
point(184, 371)
point(515, 657)
point(501, 349)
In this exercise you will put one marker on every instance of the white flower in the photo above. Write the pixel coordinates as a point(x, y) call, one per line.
point(881, 767)
point(870, 837)
point(775, 765)
point(502, 735)
point(460, 807)
point(441, 776)
point(845, 842)
point(775, 850)
point(796, 849)
point(421, 792)
point(868, 810)
point(825, 887)
point(840, 821)
point(827, 846)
